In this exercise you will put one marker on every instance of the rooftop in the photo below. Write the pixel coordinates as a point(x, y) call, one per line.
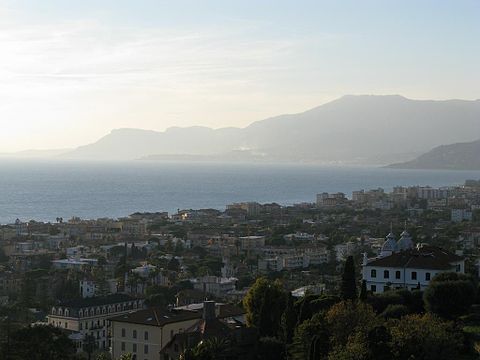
point(425, 257)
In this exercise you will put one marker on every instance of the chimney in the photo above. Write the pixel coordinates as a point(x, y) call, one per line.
point(209, 310)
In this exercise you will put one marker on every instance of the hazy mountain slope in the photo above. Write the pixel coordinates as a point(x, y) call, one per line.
point(460, 156)
point(380, 129)
point(35, 153)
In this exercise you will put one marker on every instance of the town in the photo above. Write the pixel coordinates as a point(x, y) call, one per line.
point(254, 281)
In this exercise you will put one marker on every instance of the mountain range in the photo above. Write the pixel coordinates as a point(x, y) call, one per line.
point(364, 129)
point(459, 156)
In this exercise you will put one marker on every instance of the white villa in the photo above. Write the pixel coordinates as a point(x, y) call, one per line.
point(403, 265)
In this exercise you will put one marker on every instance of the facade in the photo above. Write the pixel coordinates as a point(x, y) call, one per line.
point(90, 316)
point(144, 333)
point(459, 215)
point(214, 285)
point(401, 265)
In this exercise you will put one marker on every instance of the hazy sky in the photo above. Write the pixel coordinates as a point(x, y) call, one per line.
point(70, 71)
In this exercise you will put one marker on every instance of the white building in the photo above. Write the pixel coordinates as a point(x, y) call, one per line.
point(214, 285)
point(402, 265)
point(459, 215)
point(73, 263)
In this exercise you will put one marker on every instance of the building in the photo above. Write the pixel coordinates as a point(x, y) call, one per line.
point(144, 333)
point(221, 324)
point(71, 263)
point(401, 265)
point(331, 200)
point(89, 316)
point(459, 215)
point(214, 285)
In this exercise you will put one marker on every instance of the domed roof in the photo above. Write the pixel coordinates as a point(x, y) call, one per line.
point(390, 243)
point(405, 242)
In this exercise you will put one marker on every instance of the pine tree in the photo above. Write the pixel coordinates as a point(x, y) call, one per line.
point(349, 286)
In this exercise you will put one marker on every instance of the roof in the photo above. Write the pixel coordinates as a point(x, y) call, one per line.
point(156, 316)
point(98, 301)
point(425, 257)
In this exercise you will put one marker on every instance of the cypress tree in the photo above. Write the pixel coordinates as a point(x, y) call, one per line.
point(349, 286)
point(363, 291)
point(289, 319)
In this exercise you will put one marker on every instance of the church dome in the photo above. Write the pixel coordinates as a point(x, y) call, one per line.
point(405, 242)
point(390, 244)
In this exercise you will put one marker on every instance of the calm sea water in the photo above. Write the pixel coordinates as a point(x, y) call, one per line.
point(44, 190)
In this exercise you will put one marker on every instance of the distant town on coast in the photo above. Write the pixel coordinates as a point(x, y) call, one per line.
point(104, 281)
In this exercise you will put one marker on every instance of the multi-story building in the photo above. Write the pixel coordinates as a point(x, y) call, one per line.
point(146, 333)
point(89, 316)
point(459, 215)
point(214, 285)
point(402, 265)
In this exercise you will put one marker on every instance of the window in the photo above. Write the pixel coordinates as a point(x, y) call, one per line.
point(373, 288)
point(373, 273)
point(123, 332)
point(134, 347)
point(386, 274)
point(457, 268)
point(123, 346)
point(146, 335)
point(397, 274)
point(414, 275)
point(427, 276)
point(80, 326)
point(134, 334)
point(66, 325)
point(145, 349)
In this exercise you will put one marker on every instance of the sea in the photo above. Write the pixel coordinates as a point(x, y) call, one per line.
point(44, 190)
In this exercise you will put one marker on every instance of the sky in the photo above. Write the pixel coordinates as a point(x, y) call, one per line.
point(71, 71)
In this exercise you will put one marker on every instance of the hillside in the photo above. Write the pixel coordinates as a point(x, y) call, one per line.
point(460, 156)
point(352, 129)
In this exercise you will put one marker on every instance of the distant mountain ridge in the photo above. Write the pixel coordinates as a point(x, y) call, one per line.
point(459, 156)
point(352, 129)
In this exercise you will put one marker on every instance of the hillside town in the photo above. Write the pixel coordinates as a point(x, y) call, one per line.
point(251, 279)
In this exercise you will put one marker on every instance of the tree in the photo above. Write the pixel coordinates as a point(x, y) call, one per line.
point(349, 287)
point(211, 349)
point(289, 319)
point(347, 318)
point(126, 356)
point(449, 294)
point(305, 333)
point(264, 305)
point(270, 348)
point(40, 342)
point(103, 356)
point(363, 291)
point(424, 337)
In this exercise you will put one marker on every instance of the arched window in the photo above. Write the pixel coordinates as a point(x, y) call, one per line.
point(80, 313)
point(60, 312)
point(54, 312)
point(67, 312)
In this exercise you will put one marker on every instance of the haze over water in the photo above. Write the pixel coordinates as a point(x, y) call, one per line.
point(42, 190)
